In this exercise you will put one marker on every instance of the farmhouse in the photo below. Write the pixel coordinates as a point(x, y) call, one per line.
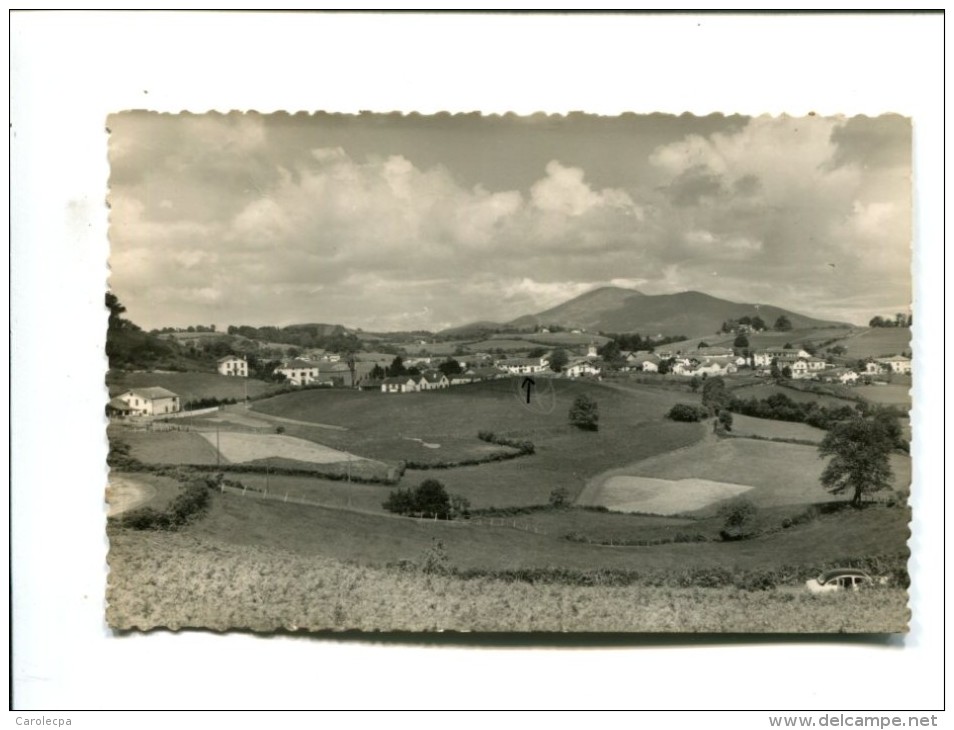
point(785, 356)
point(524, 365)
point(577, 368)
point(468, 376)
point(150, 401)
point(489, 373)
point(118, 408)
point(399, 384)
point(712, 352)
point(233, 365)
point(299, 372)
point(897, 364)
point(840, 375)
point(370, 384)
point(432, 380)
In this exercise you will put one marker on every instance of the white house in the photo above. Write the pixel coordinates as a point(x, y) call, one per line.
point(524, 365)
point(874, 368)
point(150, 401)
point(577, 368)
point(763, 358)
point(299, 372)
point(840, 375)
point(896, 364)
point(233, 365)
point(434, 381)
point(648, 366)
point(399, 384)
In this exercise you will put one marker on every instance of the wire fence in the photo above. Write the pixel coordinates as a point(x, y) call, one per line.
point(418, 518)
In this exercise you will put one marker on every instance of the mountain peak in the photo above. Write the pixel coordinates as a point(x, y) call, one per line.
point(690, 313)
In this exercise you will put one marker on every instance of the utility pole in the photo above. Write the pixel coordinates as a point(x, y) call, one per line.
point(218, 454)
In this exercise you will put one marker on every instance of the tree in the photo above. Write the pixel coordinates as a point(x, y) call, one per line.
point(737, 515)
point(558, 360)
point(431, 499)
point(715, 397)
point(687, 413)
point(559, 498)
point(702, 344)
point(741, 342)
point(694, 383)
point(397, 367)
point(609, 351)
point(725, 418)
point(584, 413)
point(450, 367)
point(859, 448)
point(783, 324)
point(787, 372)
point(378, 372)
point(758, 324)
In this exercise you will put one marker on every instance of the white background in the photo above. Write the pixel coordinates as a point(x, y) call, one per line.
point(70, 70)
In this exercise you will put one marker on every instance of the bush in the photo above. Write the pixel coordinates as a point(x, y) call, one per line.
point(191, 503)
point(559, 498)
point(737, 515)
point(429, 499)
point(725, 418)
point(524, 447)
point(687, 413)
point(584, 413)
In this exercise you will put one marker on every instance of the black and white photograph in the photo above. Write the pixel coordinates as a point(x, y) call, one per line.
point(503, 373)
point(490, 360)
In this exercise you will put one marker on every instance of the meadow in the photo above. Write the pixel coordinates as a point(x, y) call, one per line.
point(190, 386)
point(179, 580)
point(877, 342)
point(779, 473)
point(264, 563)
point(770, 429)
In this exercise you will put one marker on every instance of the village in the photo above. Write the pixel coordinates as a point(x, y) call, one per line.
point(379, 372)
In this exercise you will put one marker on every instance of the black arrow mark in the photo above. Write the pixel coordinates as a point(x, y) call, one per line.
point(528, 384)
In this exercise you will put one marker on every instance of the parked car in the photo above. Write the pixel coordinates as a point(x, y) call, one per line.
point(841, 579)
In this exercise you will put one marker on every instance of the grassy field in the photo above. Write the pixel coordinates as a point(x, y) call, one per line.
point(764, 389)
point(190, 386)
point(877, 342)
point(132, 491)
point(760, 340)
point(768, 428)
point(238, 448)
point(896, 393)
point(384, 426)
point(327, 492)
point(379, 539)
point(165, 447)
point(780, 473)
point(190, 578)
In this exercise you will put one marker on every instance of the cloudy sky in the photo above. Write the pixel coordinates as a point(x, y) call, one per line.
point(392, 222)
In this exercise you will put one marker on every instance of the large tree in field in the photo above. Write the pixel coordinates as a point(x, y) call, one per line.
point(859, 448)
point(584, 413)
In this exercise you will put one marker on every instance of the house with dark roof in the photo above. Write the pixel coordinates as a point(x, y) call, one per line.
point(399, 384)
point(150, 401)
point(118, 408)
point(434, 380)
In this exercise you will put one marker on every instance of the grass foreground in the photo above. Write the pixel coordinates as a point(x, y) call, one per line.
point(177, 580)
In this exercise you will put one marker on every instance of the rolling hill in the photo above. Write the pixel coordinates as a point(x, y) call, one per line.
point(613, 309)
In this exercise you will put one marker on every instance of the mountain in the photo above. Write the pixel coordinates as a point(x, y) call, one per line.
point(613, 309)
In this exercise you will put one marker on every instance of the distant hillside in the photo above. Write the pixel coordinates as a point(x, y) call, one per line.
point(612, 309)
point(473, 329)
